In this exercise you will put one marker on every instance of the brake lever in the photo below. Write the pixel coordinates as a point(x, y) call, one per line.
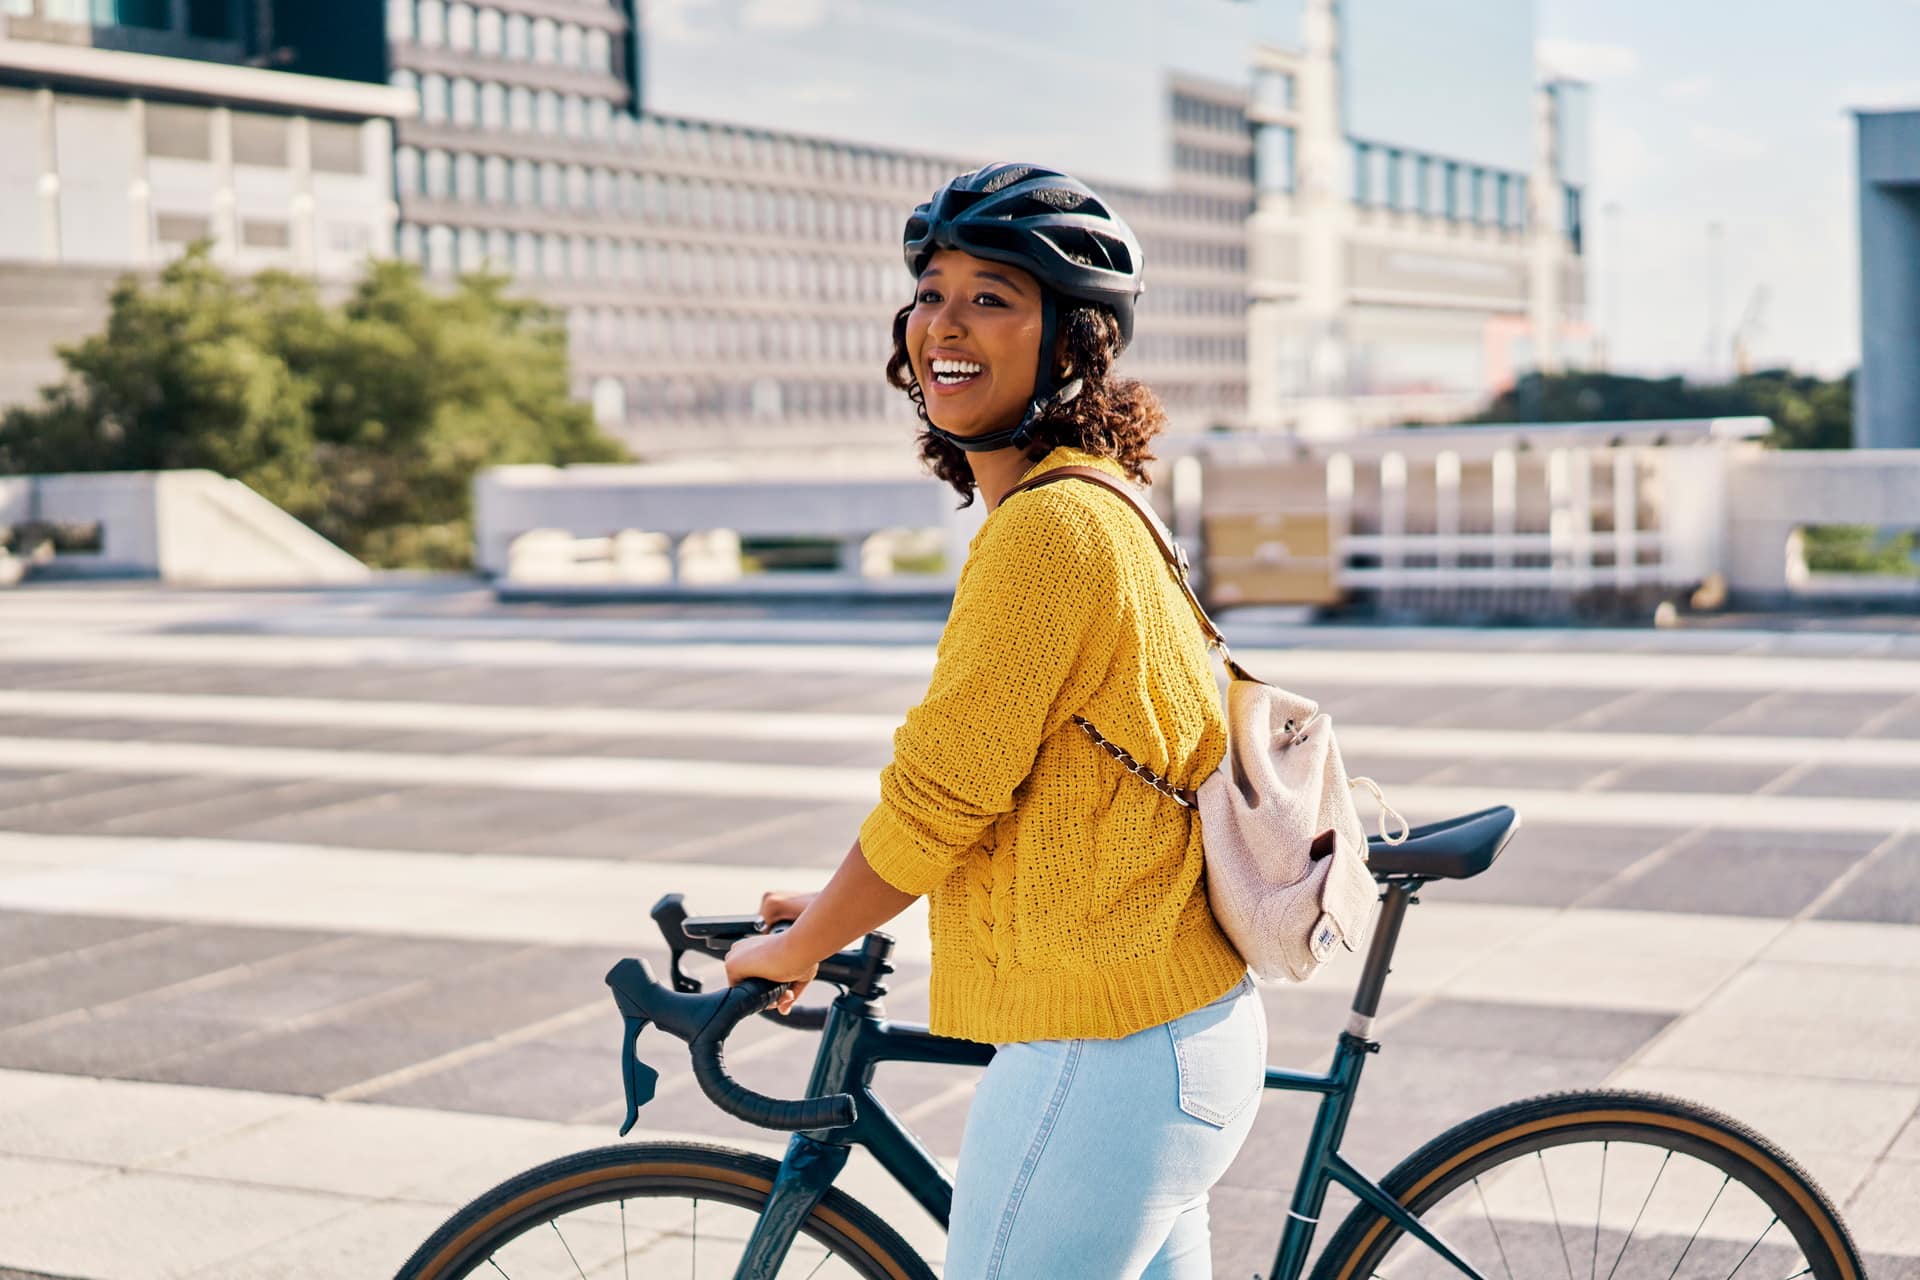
point(637, 1079)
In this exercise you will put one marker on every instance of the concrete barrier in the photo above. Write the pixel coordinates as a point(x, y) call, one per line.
point(606, 508)
point(1771, 495)
point(186, 527)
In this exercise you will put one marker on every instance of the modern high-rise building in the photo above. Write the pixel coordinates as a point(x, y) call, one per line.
point(1418, 237)
point(730, 287)
point(130, 129)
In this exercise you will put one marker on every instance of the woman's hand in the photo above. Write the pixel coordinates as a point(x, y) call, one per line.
point(769, 957)
point(783, 904)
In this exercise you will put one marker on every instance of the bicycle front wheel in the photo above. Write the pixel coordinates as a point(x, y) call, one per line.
point(651, 1209)
point(1602, 1185)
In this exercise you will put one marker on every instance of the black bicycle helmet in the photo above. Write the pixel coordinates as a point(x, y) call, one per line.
point(1050, 225)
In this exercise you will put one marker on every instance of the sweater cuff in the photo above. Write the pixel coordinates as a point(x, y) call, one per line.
point(896, 856)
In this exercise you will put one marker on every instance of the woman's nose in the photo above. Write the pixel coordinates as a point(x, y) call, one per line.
point(946, 321)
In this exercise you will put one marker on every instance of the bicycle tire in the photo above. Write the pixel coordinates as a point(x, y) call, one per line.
point(463, 1245)
point(1477, 1147)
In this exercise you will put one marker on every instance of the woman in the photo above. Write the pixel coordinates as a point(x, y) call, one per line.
point(1069, 920)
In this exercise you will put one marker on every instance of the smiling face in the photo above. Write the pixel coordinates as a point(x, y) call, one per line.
point(973, 337)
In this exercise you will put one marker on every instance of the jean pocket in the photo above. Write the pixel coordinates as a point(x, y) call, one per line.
point(1219, 1056)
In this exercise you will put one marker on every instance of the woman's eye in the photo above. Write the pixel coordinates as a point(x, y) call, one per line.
point(987, 299)
point(928, 296)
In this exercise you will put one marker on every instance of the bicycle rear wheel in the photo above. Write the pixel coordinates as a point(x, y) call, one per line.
point(1602, 1185)
point(651, 1209)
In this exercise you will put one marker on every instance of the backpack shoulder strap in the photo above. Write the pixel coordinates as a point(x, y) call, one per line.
point(1175, 557)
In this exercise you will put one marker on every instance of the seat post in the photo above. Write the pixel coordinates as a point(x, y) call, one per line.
point(1394, 900)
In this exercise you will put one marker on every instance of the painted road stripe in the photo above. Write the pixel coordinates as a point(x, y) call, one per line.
point(1298, 668)
point(861, 784)
point(789, 726)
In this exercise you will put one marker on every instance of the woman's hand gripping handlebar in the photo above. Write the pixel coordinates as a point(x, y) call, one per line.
point(704, 1022)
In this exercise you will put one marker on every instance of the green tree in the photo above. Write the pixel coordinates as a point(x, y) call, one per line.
point(1807, 412)
point(367, 420)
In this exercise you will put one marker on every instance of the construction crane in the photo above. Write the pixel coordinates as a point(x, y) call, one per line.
point(1752, 325)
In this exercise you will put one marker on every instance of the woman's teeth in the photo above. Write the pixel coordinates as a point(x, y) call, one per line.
point(951, 373)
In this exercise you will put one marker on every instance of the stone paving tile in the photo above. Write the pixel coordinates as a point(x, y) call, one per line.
point(535, 1080)
point(136, 1226)
point(1883, 1209)
point(1844, 1022)
point(88, 813)
point(372, 1240)
point(1551, 865)
point(1886, 890)
point(27, 936)
point(116, 1123)
point(315, 1060)
point(78, 981)
point(1604, 1035)
point(1902, 721)
point(243, 803)
point(23, 1179)
point(1670, 711)
point(1675, 775)
point(1806, 715)
point(1528, 709)
point(1748, 876)
point(1857, 782)
point(21, 789)
point(1519, 774)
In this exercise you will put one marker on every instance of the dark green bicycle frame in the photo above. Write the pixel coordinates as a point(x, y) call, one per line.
point(855, 1040)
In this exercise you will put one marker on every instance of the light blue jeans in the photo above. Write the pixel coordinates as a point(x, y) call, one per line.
point(1093, 1158)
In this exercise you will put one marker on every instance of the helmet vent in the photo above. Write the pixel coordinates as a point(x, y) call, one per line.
point(1005, 178)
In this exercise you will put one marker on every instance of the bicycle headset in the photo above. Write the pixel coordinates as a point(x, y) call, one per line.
point(1056, 229)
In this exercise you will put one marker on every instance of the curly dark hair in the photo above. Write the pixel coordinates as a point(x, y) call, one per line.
point(1111, 417)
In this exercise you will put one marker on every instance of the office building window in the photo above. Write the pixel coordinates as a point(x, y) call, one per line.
point(406, 170)
point(544, 39)
point(526, 183)
point(399, 19)
point(1576, 230)
point(438, 176)
point(517, 37)
point(546, 110)
point(408, 243)
point(574, 115)
point(433, 97)
point(464, 101)
point(520, 108)
point(550, 184)
point(493, 105)
point(466, 175)
point(259, 140)
point(605, 193)
point(179, 133)
point(460, 27)
point(486, 32)
point(599, 117)
point(577, 193)
point(493, 179)
point(553, 257)
point(1362, 173)
point(526, 254)
point(570, 45)
point(431, 23)
point(336, 147)
point(440, 250)
point(599, 50)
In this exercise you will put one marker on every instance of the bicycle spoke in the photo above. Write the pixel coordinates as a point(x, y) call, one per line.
point(1804, 1271)
point(625, 1250)
point(824, 1259)
point(1750, 1248)
point(693, 1249)
point(1496, 1231)
point(1703, 1222)
point(496, 1267)
point(1554, 1208)
point(1628, 1242)
point(555, 1224)
point(1598, 1203)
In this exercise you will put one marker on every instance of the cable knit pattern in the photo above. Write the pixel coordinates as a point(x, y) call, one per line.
point(1066, 900)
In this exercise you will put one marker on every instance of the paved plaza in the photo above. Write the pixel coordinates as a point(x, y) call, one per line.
point(306, 898)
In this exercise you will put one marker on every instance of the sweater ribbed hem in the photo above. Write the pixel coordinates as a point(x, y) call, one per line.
point(1104, 1004)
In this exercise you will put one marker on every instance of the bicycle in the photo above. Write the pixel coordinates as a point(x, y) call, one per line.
point(1498, 1194)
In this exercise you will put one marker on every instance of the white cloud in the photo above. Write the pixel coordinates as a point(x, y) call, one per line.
point(1729, 142)
point(783, 15)
point(1588, 60)
point(1621, 157)
point(674, 21)
point(1688, 89)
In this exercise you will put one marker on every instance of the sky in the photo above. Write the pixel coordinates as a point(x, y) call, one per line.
point(1705, 114)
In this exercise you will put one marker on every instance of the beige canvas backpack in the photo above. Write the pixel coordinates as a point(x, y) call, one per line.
point(1286, 852)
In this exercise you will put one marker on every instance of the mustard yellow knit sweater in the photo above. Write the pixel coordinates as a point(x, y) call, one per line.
point(1066, 897)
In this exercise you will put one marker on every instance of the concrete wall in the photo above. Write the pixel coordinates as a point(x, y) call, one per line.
point(1887, 397)
point(1769, 495)
point(186, 527)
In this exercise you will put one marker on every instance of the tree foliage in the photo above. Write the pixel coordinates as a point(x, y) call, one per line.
point(367, 420)
point(1807, 412)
